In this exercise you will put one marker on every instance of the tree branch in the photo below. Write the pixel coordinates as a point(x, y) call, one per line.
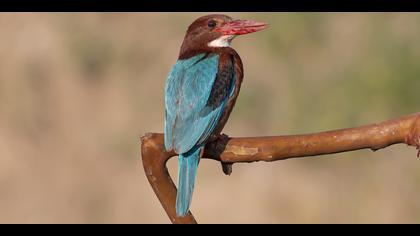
point(232, 150)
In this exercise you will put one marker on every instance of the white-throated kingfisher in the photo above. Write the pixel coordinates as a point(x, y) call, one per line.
point(200, 92)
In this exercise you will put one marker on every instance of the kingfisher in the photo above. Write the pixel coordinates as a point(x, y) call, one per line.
point(200, 92)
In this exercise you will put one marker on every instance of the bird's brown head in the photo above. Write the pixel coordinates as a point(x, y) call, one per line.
point(209, 32)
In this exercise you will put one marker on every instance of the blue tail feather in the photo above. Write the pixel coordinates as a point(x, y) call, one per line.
point(187, 169)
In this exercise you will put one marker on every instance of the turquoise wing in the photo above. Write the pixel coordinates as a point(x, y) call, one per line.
point(188, 119)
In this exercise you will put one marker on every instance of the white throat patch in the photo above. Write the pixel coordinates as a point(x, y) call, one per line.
point(222, 41)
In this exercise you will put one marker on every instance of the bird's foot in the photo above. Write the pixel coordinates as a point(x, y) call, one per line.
point(222, 139)
point(227, 168)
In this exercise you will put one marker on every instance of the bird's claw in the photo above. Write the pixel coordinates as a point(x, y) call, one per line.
point(219, 138)
point(227, 168)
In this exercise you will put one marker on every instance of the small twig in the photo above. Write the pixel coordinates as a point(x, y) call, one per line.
point(376, 136)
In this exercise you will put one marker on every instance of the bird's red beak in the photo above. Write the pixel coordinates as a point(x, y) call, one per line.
point(238, 27)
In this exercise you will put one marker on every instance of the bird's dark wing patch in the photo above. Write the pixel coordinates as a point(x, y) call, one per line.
point(222, 84)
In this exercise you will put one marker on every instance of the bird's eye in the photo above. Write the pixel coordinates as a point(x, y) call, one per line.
point(211, 24)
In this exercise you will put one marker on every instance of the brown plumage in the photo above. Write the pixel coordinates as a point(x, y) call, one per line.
point(199, 34)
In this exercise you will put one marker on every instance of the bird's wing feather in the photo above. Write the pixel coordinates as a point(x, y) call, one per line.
point(189, 121)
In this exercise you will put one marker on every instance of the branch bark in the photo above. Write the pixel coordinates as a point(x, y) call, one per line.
point(233, 150)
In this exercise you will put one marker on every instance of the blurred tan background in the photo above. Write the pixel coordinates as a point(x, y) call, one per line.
point(77, 91)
